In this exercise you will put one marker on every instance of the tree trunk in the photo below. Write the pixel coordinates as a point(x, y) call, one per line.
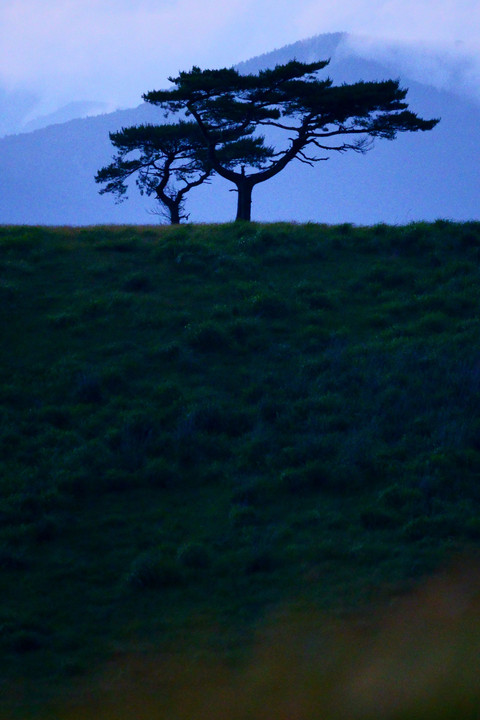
point(244, 201)
point(174, 211)
point(172, 205)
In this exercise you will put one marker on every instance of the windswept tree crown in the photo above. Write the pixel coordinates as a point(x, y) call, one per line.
point(318, 117)
point(226, 104)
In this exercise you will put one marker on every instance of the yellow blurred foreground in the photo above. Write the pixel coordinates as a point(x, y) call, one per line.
point(416, 657)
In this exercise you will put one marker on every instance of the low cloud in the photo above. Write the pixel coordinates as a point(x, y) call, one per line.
point(422, 20)
point(82, 50)
point(453, 66)
point(115, 47)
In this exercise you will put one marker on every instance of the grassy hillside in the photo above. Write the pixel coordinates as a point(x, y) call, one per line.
point(201, 425)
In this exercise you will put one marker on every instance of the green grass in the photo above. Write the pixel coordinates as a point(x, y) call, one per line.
point(200, 425)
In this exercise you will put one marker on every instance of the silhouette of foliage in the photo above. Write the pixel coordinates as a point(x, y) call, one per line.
point(167, 160)
point(318, 117)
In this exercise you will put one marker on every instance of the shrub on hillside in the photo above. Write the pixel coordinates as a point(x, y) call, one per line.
point(193, 556)
point(208, 337)
point(154, 570)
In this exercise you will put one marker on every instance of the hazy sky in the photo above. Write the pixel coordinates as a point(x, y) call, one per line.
point(113, 50)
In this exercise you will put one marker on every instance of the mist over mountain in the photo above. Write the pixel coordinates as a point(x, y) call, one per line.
point(448, 67)
point(14, 108)
point(71, 111)
point(47, 176)
point(20, 112)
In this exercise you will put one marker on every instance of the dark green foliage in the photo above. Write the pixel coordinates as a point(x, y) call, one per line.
point(154, 570)
point(26, 641)
point(309, 477)
point(12, 560)
point(243, 515)
point(185, 443)
point(137, 282)
point(208, 337)
point(193, 556)
point(260, 560)
point(269, 305)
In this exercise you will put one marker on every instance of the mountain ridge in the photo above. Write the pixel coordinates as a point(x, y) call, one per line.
point(47, 176)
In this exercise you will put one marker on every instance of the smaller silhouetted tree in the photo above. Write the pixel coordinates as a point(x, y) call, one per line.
point(166, 160)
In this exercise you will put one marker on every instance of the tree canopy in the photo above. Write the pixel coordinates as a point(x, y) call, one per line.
point(167, 161)
point(317, 118)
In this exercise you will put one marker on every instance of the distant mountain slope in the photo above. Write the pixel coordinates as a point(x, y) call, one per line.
point(71, 111)
point(46, 177)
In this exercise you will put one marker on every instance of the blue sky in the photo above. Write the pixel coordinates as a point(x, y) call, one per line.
point(113, 50)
